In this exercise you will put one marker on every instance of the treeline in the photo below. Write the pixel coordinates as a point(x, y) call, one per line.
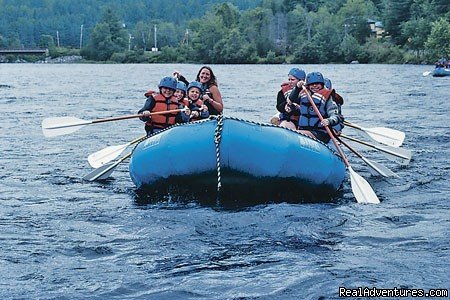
point(273, 31)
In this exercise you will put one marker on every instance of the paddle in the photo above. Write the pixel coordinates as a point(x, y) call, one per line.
point(387, 136)
point(65, 125)
point(427, 73)
point(361, 189)
point(399, 155)
point(110, 153)
point(374, 167)
point(105, 171)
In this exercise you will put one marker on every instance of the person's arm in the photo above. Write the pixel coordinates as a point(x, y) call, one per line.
point(294, 96)
point(180, 77)
point(215, 100)
point(332, 113)
point(148, 106)
point(204, 112)
point(281, 101)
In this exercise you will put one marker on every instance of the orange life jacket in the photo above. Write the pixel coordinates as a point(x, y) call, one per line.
point(163, 104)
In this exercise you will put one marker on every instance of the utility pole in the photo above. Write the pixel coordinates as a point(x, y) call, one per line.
point(143, 40)
point(81, 36)
point(155, 49)
point(57, 38)
point(129, 41)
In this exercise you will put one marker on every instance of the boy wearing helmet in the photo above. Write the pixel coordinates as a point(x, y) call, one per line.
point(288, 117)
point(162, 101)
point(309, 123)
point(198, 109)
point(180, 92)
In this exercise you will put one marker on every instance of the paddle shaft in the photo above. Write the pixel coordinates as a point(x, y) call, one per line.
point(316, 110)
point(366, 129)
point(351, 149)
point(136, 116)
point(374, 146)
point(83, 122)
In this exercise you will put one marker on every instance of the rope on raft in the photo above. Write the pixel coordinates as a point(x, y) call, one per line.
point(217, 139)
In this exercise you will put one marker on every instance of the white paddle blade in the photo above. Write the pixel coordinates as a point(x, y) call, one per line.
point(399, 155)
point(101, 173)
point(387, 136)
point(106, 155)
point(52, 127)
point(361, 189)
point(379, 169)
point(426, 73)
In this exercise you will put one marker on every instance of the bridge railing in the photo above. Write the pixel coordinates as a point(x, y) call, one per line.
point(24, 51)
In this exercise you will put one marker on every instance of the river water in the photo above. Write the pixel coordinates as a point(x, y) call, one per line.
point(64, 238)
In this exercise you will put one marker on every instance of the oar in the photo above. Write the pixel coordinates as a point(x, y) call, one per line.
point(387, 136)
point(110, 153)
point(65, 125)
point(104, 171)
point(361, 189)
point(374, 167)
point(399, 155)
point(427, 73)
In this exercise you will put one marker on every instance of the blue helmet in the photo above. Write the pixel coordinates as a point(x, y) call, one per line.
point(194, 84)
point(314, 77)
point(297, 73)
point(328, 84)
point(168, 82)
point(181, 86)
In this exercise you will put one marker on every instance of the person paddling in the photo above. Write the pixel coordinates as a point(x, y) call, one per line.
point(162, 101)
point(288, 116)
point(309, 122)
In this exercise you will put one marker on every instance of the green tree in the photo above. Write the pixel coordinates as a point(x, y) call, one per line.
point(354, 15)
point(107, 37)
point(349, 49)
point(255, 26)
point(3, 42)
point(437, 43)
point(206, 33)
point(234, 49)
point(228, 13)
point(46, 41)
point(416, 32)
point(327, 36)
point(394, 13)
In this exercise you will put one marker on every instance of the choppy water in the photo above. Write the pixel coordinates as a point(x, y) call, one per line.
point(63, 238)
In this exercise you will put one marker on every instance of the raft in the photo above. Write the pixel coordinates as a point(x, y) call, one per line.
point(440, 72)
point(230, 153)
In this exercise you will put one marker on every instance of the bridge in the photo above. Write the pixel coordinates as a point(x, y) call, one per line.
point(24, 51)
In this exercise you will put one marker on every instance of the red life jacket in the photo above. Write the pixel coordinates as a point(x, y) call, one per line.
point(285, 87)
point(162, 104)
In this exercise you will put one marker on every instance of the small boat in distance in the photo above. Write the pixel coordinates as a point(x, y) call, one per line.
point(440, 72)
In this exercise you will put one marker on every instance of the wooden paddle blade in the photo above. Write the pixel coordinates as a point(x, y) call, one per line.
point(387, 136)
point(52, 127)
point(361, 189)
point(106, 155)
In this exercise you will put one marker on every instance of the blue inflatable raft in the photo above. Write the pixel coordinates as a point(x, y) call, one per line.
point(229, 153)
point(440, 72)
